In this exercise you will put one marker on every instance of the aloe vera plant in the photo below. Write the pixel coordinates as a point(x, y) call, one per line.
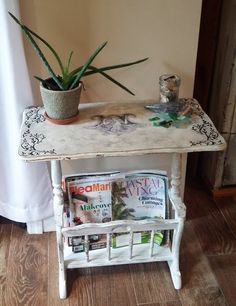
point(70, 79)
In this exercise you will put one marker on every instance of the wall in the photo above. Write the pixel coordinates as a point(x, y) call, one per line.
point(165, 31)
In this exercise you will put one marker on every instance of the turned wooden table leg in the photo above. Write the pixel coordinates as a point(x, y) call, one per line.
point(176, 174)
point(177, 235)
point(58, 203)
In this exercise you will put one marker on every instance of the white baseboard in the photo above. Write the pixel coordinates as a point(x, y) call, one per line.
point(41, 226)
point(49, 225)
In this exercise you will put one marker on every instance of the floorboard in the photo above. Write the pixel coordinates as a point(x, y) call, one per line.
point(53, 290)
point(113, 286)
point(194, 265)
point(5, 238)
point(84, 288)
point(205, 296)
point(26, 269)
point(227, 206)
point(211, 228)
point(224, 268)
point(172, 303)
point(152, 283)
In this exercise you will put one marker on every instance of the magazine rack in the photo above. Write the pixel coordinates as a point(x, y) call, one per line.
point(116, 129)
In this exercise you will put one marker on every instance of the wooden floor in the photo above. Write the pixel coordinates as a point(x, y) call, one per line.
point(28, 266)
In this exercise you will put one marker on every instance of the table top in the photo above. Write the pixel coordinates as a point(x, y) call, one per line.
point(114, 129)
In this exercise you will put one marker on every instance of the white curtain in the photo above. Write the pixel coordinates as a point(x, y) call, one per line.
point(25, 190)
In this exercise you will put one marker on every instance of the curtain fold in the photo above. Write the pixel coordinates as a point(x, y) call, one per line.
point(25, 188)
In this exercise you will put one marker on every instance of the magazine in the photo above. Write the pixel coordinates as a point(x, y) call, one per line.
point(89, 201)
point(140, 195)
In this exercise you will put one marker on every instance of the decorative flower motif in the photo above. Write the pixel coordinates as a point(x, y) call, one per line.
point(211, 135)
point(204, 128)
point(33, 116)
point(115, 124)
point(29, 140)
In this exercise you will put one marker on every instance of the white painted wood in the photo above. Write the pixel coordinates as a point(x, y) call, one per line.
point(43, 141)
point(132, 253)
point(118, 256)
point(180, 215)
point(131, 240)
point(49, 224)
point(175, 275)
point(41, 226)
point(103, 131)
point(87, 247)
point(35, 227)
point(176, 175)
point(58, 203)
point(174, 263)
point(151, 243)
point(184, 157)
point(109, 247)
point(119, 226)
point(175, 191)
point(58, 200)
point(179, 207)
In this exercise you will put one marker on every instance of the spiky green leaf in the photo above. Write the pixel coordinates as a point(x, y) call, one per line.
point(106, 68)
point(68, 63)
point(85, 66)
point(38, 78)
point(111, 79)
point(42, 40)
point(38, 51)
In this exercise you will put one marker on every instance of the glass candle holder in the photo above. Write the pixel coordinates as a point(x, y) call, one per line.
point(169, 88)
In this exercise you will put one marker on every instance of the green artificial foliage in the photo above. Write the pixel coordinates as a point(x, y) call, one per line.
point(70, 79)
point(170, 119)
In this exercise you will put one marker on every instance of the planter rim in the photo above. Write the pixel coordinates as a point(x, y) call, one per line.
point(62, 91)
point(61, 121)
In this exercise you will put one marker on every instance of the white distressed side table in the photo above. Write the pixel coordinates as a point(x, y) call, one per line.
point(116, 129)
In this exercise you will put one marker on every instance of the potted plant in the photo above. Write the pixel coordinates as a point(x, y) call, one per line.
point(61, 93)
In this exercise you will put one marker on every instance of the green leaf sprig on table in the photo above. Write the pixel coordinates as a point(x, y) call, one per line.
point(170, 119)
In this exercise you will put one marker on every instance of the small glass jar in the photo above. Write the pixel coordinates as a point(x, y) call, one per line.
point(169, 88)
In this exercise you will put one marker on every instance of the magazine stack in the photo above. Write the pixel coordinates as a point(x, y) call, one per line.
point(105, 197)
